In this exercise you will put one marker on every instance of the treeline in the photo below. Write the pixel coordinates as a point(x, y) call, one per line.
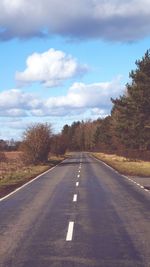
point(126, 131)
point(9, 145)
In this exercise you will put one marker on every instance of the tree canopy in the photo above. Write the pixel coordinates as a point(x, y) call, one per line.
point(127, 128)
point(131, 112)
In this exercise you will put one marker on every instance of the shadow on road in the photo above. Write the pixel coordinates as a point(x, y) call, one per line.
point(73, 163)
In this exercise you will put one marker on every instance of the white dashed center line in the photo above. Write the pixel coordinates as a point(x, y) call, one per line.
point(70, 231)
point(77, 184)
point(75, 198)
point(71, 224)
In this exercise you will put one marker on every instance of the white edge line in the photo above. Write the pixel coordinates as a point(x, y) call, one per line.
point(126, 177)
point(70, 231)
point(31, 181)
point(106, 165)
point(146, 190)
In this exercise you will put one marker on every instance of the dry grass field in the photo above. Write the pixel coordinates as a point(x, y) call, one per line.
point(10, 162)
point(125, 165)
point(14, 173)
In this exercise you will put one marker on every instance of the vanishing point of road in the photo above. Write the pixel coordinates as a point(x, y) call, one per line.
point(81, 213)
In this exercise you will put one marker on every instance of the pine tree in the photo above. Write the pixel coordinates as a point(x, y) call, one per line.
point(131, 112)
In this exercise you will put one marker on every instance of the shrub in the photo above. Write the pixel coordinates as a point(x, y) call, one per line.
point(36, 143)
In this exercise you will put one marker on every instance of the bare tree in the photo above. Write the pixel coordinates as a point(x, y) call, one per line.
point(36, 143)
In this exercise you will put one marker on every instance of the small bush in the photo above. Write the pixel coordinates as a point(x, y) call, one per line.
point(36, 143)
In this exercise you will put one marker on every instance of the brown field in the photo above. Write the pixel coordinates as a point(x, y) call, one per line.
point(10, 164)
point(14, 173)
point(125, 165)
point(14, 155)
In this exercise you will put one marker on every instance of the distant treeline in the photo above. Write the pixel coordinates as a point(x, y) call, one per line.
point(9, 145)
point(126, 131)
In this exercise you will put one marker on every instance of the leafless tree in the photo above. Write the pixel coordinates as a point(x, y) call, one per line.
point(36, 143)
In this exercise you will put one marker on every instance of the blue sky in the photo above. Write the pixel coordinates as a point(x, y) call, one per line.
point(62, 62)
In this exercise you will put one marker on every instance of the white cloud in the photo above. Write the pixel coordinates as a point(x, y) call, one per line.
point(110, 20)
point(15, 103)
point(12, 128)
point(14, 112)
point(79, 99)
point(50, 68)
point(82, 97)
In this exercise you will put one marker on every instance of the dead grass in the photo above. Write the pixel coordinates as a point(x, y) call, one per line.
point(13, 172)
point(125, 165)
point(10, 165)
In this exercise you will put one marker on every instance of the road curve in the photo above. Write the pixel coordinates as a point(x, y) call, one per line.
point(80, 214)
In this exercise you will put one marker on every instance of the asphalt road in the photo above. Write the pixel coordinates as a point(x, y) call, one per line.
point(80, 214)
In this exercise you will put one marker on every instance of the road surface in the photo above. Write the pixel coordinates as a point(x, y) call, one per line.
point(79, 214)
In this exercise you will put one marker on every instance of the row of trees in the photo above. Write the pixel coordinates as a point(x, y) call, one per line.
point(128, 126)
point(9, 145)
point(126, 129)
point(131, 112)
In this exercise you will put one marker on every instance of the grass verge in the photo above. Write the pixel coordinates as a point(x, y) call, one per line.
point(125, 165)
point(16, 178)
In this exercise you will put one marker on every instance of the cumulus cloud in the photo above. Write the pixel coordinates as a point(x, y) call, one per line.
point(15, 103)
point(14, 112)
point(50, 68)
point(12, 127)
point(110, 20)
point(80, 98)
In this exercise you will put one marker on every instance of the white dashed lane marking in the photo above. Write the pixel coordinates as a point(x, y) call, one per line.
point(75, 198)
point(70, 231)
point(77, 184)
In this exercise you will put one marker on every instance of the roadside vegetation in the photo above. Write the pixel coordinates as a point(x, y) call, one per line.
point(21, 162)
point(14, 172)
point(124, 135)
point(126, 132)
point(124, 165)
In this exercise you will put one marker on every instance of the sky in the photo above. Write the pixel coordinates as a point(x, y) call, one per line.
point(62, 61)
